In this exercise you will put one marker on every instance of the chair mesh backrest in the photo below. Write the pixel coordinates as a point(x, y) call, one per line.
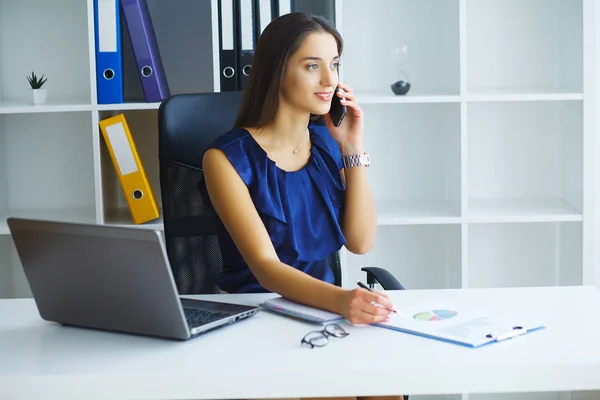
point(187, 125)
point(190, 228)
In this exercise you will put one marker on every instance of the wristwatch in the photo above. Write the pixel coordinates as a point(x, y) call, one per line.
point(356, 160)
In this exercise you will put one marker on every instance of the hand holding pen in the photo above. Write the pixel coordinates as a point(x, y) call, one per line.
point(391, 309)
point(365, 306)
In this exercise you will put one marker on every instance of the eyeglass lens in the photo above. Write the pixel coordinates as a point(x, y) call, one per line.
point(316, 339)
point(335, 330)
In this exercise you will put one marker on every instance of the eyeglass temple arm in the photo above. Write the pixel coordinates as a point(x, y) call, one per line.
point(383, 277)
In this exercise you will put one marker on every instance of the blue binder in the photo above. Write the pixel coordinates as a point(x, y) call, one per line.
point(109, 66)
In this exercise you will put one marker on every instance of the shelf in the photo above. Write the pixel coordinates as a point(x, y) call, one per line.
point(521, 210)
point(127, 106)
point(531, 150)
point(386, 97)
point(533, 254)
point(417, 148)
point(389, 213)
point(524, 44)
point(428, 28)
point(523, 396)
point(419, 256)
point(122, 217)
point(506, 95)
point(417, 212)
point(52, 40)
point(21, 107)
point(479, 211)
point(79, 215)
point(520, 94)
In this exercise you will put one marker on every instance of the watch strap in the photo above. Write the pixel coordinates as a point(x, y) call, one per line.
point(356, 160)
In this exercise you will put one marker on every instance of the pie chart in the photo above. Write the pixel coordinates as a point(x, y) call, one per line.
point(434, 315)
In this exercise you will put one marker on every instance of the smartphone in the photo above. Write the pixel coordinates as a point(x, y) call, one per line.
point(337, 110)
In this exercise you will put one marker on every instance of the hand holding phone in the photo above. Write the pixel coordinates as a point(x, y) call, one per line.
point(337, 110)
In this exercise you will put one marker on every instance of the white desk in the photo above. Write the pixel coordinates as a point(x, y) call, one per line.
point(262, 357)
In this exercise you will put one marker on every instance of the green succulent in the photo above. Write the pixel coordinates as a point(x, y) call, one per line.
point(35, 82)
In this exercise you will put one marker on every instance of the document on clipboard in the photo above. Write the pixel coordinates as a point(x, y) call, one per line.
point(440, 321)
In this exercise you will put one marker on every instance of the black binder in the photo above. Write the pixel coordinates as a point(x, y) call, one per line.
point(228, 58)
point(241, 23)
point(246, 17)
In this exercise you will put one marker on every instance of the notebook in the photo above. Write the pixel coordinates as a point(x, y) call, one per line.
point(467, 327)
point(301, 311)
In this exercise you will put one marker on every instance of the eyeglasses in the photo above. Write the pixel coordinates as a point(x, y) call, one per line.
point(321, 338)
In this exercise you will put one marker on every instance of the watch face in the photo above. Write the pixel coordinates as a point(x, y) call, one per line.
point(366, 159)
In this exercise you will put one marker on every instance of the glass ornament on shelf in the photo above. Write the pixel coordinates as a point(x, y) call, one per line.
point(402, 84)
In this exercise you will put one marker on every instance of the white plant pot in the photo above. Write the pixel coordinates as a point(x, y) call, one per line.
point(39, 96)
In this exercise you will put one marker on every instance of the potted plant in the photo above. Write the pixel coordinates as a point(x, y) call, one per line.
point(39, 94)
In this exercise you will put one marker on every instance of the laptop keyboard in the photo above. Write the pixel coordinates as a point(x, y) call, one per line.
point(197, 317)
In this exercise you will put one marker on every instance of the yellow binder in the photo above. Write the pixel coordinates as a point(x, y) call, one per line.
point(130, 170)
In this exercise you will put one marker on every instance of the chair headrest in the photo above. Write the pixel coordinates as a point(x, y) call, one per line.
point(188, 123)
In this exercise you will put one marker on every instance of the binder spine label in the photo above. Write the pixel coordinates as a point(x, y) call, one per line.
point(121, 148)
point(266, 13)
point(107, 26)
point(227, 24)
point(246, 19)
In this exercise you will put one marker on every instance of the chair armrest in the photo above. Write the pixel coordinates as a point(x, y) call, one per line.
point(384, 277)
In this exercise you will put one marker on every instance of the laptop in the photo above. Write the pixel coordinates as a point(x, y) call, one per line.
point(112, 278)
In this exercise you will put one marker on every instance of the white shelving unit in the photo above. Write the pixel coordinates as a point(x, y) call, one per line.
point(483, 175)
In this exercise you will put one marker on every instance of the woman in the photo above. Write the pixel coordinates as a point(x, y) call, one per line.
point(278, 182)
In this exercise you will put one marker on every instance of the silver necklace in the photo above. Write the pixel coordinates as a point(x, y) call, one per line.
point(295, 151)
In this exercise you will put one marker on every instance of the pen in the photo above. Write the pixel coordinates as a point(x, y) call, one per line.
point(362, 285)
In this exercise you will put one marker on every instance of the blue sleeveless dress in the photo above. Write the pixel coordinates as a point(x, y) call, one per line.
point(301, 210)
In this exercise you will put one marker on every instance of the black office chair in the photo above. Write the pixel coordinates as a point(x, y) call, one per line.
point(187, 123)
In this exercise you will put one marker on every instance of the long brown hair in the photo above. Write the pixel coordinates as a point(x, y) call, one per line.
point(277, 43)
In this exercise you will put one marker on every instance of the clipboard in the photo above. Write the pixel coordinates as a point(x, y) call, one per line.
point(462, 326)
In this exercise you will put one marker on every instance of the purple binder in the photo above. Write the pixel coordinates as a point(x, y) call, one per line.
point(145, 50)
